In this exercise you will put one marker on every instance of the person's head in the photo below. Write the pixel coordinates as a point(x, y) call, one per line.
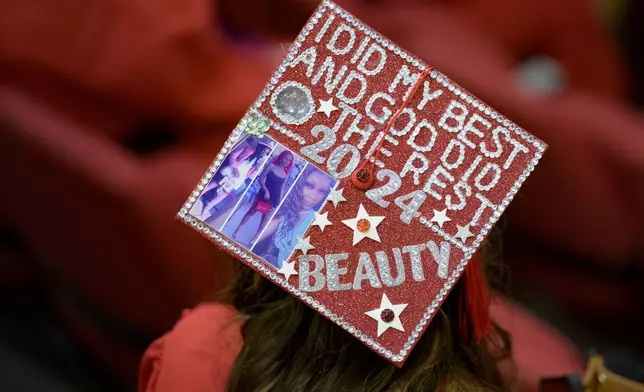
point(261, 151)
point(284, 160)
point(248, 145)
point(315, 188)
point(308, 193)
point(290, 347)
point(265, 150)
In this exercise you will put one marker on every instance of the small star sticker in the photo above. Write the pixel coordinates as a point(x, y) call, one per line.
point(288, 270)
point(322, 220)
point(327, 107)
point(440, 217)
point(463, 233)
point(336, 197)
point(304, 244)
point(387, 315)
point(364, 226)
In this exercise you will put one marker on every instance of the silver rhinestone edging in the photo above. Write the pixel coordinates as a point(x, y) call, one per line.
point(442, 233)
point(281, 129)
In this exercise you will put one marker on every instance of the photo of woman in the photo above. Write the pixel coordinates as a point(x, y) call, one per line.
point(294, 216)
point(248, 171)
point(263, 196)
point(243, 163)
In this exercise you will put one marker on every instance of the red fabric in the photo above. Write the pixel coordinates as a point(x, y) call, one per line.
point(198, 354)
point(164, 57)
point(281, 156)
point(263, 207)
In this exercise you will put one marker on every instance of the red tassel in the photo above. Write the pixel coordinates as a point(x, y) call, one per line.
point(474, 319)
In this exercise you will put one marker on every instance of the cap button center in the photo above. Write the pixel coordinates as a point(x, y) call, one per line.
point(362, 178)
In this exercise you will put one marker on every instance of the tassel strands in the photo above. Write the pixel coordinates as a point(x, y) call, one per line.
point(475, 323)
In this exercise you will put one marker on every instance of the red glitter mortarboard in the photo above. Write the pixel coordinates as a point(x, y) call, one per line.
point(399, 174)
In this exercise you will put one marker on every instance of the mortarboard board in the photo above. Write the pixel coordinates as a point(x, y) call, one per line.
point(384, 179)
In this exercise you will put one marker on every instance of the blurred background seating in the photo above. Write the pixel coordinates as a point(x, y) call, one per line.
point(110, 112)
point(98, 223)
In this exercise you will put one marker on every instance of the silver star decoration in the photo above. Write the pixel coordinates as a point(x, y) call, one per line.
point(304, 244)
point(336, 197)
point(383, 325)
point(322, 220)
point(370, 232)
point(440, 217)
point(288, 270)
point(463, 233)
point(327, 107)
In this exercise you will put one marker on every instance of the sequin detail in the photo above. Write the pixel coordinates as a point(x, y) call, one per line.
point(293, 103)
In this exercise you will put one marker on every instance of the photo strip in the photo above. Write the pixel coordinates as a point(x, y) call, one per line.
point(263, 197)
point(294, 216)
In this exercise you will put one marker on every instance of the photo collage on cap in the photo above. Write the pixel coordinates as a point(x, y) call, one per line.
point(263, 196)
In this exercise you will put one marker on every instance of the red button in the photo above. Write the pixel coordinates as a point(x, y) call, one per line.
point(362, 179)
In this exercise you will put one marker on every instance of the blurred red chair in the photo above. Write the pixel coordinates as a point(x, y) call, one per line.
point(75, 78)
point(100, 221)
point(568, 31)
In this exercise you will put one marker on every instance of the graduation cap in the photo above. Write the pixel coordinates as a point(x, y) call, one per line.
point(415, 171)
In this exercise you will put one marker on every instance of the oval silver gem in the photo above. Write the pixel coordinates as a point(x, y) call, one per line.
point(293, 103)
